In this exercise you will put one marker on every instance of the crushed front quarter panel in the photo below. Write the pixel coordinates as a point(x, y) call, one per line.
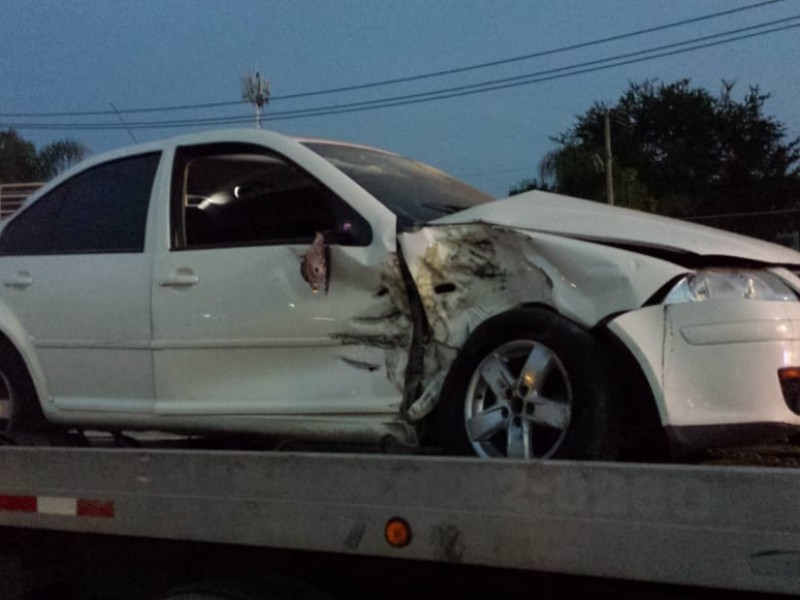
point(467, 273)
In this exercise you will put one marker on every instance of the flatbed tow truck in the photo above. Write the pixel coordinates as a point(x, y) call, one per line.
point(412, 288)
point(195, 524)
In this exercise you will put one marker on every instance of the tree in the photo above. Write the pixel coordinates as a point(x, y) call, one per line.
point(682, 151)
point(17, 158)
point(21, 162)
point(526, 185)
point(59, 156)
point(576, 168)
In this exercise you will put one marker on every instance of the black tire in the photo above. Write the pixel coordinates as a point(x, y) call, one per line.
point(20, 411)
point(532, 384)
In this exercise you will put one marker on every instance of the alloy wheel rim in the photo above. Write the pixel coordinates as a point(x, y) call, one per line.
point(519, 402)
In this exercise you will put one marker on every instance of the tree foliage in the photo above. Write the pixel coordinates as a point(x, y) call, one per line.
point(682, 151)
point(59, 156)
point(17, 158)
point(21, 162)
point(526, 185)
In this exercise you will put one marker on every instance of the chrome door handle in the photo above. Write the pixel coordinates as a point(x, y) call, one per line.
point(180, 278)
point(20, 279)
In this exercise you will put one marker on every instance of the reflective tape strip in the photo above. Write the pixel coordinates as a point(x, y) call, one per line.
point(96, 508)
point(56, 505)
point(18, 503)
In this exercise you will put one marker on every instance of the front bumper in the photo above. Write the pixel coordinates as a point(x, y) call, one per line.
point(713, 366)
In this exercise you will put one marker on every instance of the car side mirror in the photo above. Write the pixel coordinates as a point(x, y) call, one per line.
point(315, 264)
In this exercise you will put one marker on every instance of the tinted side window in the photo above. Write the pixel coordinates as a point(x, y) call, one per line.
point(234, 194)
point(100, 210)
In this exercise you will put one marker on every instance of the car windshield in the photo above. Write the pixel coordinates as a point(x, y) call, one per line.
point(415, 192)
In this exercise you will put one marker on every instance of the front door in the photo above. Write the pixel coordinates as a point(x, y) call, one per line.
point(238, 329)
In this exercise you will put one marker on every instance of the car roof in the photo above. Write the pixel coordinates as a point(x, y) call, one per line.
point(250, 135)
point(328, 142)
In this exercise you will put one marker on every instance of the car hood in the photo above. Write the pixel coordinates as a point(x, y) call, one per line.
point(592, 221)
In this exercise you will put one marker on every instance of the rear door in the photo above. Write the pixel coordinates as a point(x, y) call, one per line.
point(74, 272)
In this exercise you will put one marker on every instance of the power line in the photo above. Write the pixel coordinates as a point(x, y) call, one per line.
point(446, 93)
point(505, 61)
point(443, 96)
point(99, 113)
point(534, 77)
point(419, 77)
point(121, 118)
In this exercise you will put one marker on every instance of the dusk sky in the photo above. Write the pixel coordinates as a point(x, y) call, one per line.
point(76, 56)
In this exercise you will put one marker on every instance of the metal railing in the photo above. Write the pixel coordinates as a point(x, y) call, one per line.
point(13, 195)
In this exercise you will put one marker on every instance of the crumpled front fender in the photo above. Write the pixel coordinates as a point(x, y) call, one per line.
point(467, 273)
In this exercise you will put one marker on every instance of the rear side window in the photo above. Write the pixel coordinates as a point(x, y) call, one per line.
point(100, 210)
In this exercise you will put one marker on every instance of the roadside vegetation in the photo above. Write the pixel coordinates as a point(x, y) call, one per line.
point(682, 151)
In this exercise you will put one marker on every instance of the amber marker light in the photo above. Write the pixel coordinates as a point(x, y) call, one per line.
point(790, 386)
point(789, 373)
point(398, 532)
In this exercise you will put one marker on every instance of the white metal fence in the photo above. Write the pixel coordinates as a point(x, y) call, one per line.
point(13, 195)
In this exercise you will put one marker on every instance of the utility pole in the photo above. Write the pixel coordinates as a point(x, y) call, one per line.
point(609, 173)
point(256, 91)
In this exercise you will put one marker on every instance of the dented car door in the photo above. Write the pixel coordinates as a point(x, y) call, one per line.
point(274, 295)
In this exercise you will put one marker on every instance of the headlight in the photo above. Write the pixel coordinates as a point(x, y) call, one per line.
point(750, 284)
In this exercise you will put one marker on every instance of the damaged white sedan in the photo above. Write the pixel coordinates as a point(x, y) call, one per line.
point(244, 281)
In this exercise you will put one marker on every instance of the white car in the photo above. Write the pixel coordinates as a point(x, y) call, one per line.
point(244, 281)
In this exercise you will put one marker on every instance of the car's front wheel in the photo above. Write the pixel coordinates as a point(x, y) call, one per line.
point(531, 384)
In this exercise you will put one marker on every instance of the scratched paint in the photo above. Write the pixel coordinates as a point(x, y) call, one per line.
point(467, 273)
point(386, 324)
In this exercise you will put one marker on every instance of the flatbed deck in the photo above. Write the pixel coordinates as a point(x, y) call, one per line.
point(721, 527)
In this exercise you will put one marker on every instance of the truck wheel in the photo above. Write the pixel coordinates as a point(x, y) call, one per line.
point(19, 404)
point(530, 384)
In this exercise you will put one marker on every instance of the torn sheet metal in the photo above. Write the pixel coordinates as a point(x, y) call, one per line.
point(429, 398)
point(314, 265)
point(468, 273)
point(385, 323)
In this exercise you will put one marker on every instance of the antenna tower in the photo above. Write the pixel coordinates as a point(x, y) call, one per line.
point(256, 91)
